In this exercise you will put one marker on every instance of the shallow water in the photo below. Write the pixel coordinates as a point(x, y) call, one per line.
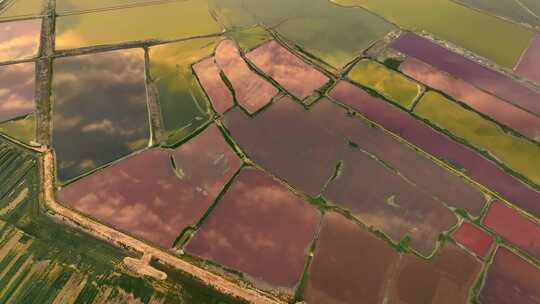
point(147, 197)
point(252, 91)
point(17, 90)
point(381, 199)
point(438, 145)
point(286, 141)
point(518, 154)
point(173, 20)
point(422, 171)
point(293, 74)
point(19, 39)
point(388, 83)
point(468, 70)
point(500, 110)
point(450, 21)
point(445, 279)
point(318, 27)
point(261, 228)
point(208, 73)
point(100, 110)
point(349, 264)
point(184, 107)
point(511, 279)
point(22, 9)
point(529, 66)
point(514, 227)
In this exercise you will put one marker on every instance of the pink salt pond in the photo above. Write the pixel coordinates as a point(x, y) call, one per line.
point(157, 193)
point(437, 144)
point(514, 227)
point(261, 228)
point(252, 91)
point(293, 74)
point(529, 65)
point(208, 74)
point(16, 90)
point(19, 39)
point(511, 279)
point(474, 239)
point(501, 111)
point(447, 278)
point(350, 263)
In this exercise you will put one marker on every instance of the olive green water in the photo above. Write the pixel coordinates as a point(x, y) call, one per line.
point(488, 36)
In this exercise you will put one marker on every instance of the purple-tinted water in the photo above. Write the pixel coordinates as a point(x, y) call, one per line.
point(19, 39)
point(350, 263)
point(296, 76)
point(506, 113)
point(461, 67)
point(445, 279)
point(251, 90)
point(511, 279)
point(147, 197)
point(424, 172)
point(261, 228)
point(16, 90)
point(209, 77)
point(386, 201)
point(285, 141)
point(439, 145)
point(529, 66)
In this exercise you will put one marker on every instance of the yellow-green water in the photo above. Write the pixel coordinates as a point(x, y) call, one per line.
point(498, 40)
point(386, 82)
point(518, 154)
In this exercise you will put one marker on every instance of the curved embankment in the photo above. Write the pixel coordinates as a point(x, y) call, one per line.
point(103, 232)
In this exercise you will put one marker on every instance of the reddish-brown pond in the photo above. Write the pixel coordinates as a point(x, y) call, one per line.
point(157, 193)
point(474, 238)
point(511, 280)
point(438, 145)
point(386, 201)
point(446, 279)
point(349, 264)
point(424, 172)
point(261, 228)
point(514, 227)
point(287, 141)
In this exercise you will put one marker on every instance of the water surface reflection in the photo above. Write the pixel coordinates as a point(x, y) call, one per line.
point(100, 110)
point(438, 145)
point(261, 228)
point(16, 90)
point(296, 76)
point(19, 39)
point(157, 193)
